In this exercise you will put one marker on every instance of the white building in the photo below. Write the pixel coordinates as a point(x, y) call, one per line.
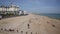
point(11, 9)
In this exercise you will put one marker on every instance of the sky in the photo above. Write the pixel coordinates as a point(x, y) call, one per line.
point(35, 6)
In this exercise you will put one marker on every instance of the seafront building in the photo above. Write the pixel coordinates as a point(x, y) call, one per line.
point(11, 9)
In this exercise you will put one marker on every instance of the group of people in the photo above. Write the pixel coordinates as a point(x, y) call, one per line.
point(11, 30)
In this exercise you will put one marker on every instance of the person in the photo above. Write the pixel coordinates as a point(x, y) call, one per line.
point(21, 31)
point(17, 30)
point(28, 26)
point(1, 28)
point(0, 17)
point(26, 32)
point(31, 32)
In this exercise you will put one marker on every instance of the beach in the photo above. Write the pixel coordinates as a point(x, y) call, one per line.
point(30, 24)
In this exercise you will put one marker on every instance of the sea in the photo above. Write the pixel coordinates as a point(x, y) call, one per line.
point(57, 16)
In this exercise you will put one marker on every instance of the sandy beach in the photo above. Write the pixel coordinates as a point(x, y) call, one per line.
point(30, 24)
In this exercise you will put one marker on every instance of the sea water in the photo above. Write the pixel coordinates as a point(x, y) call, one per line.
point(52, 15)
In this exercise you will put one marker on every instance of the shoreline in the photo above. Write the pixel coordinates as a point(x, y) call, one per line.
point(31, 14)
point(48, 16)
